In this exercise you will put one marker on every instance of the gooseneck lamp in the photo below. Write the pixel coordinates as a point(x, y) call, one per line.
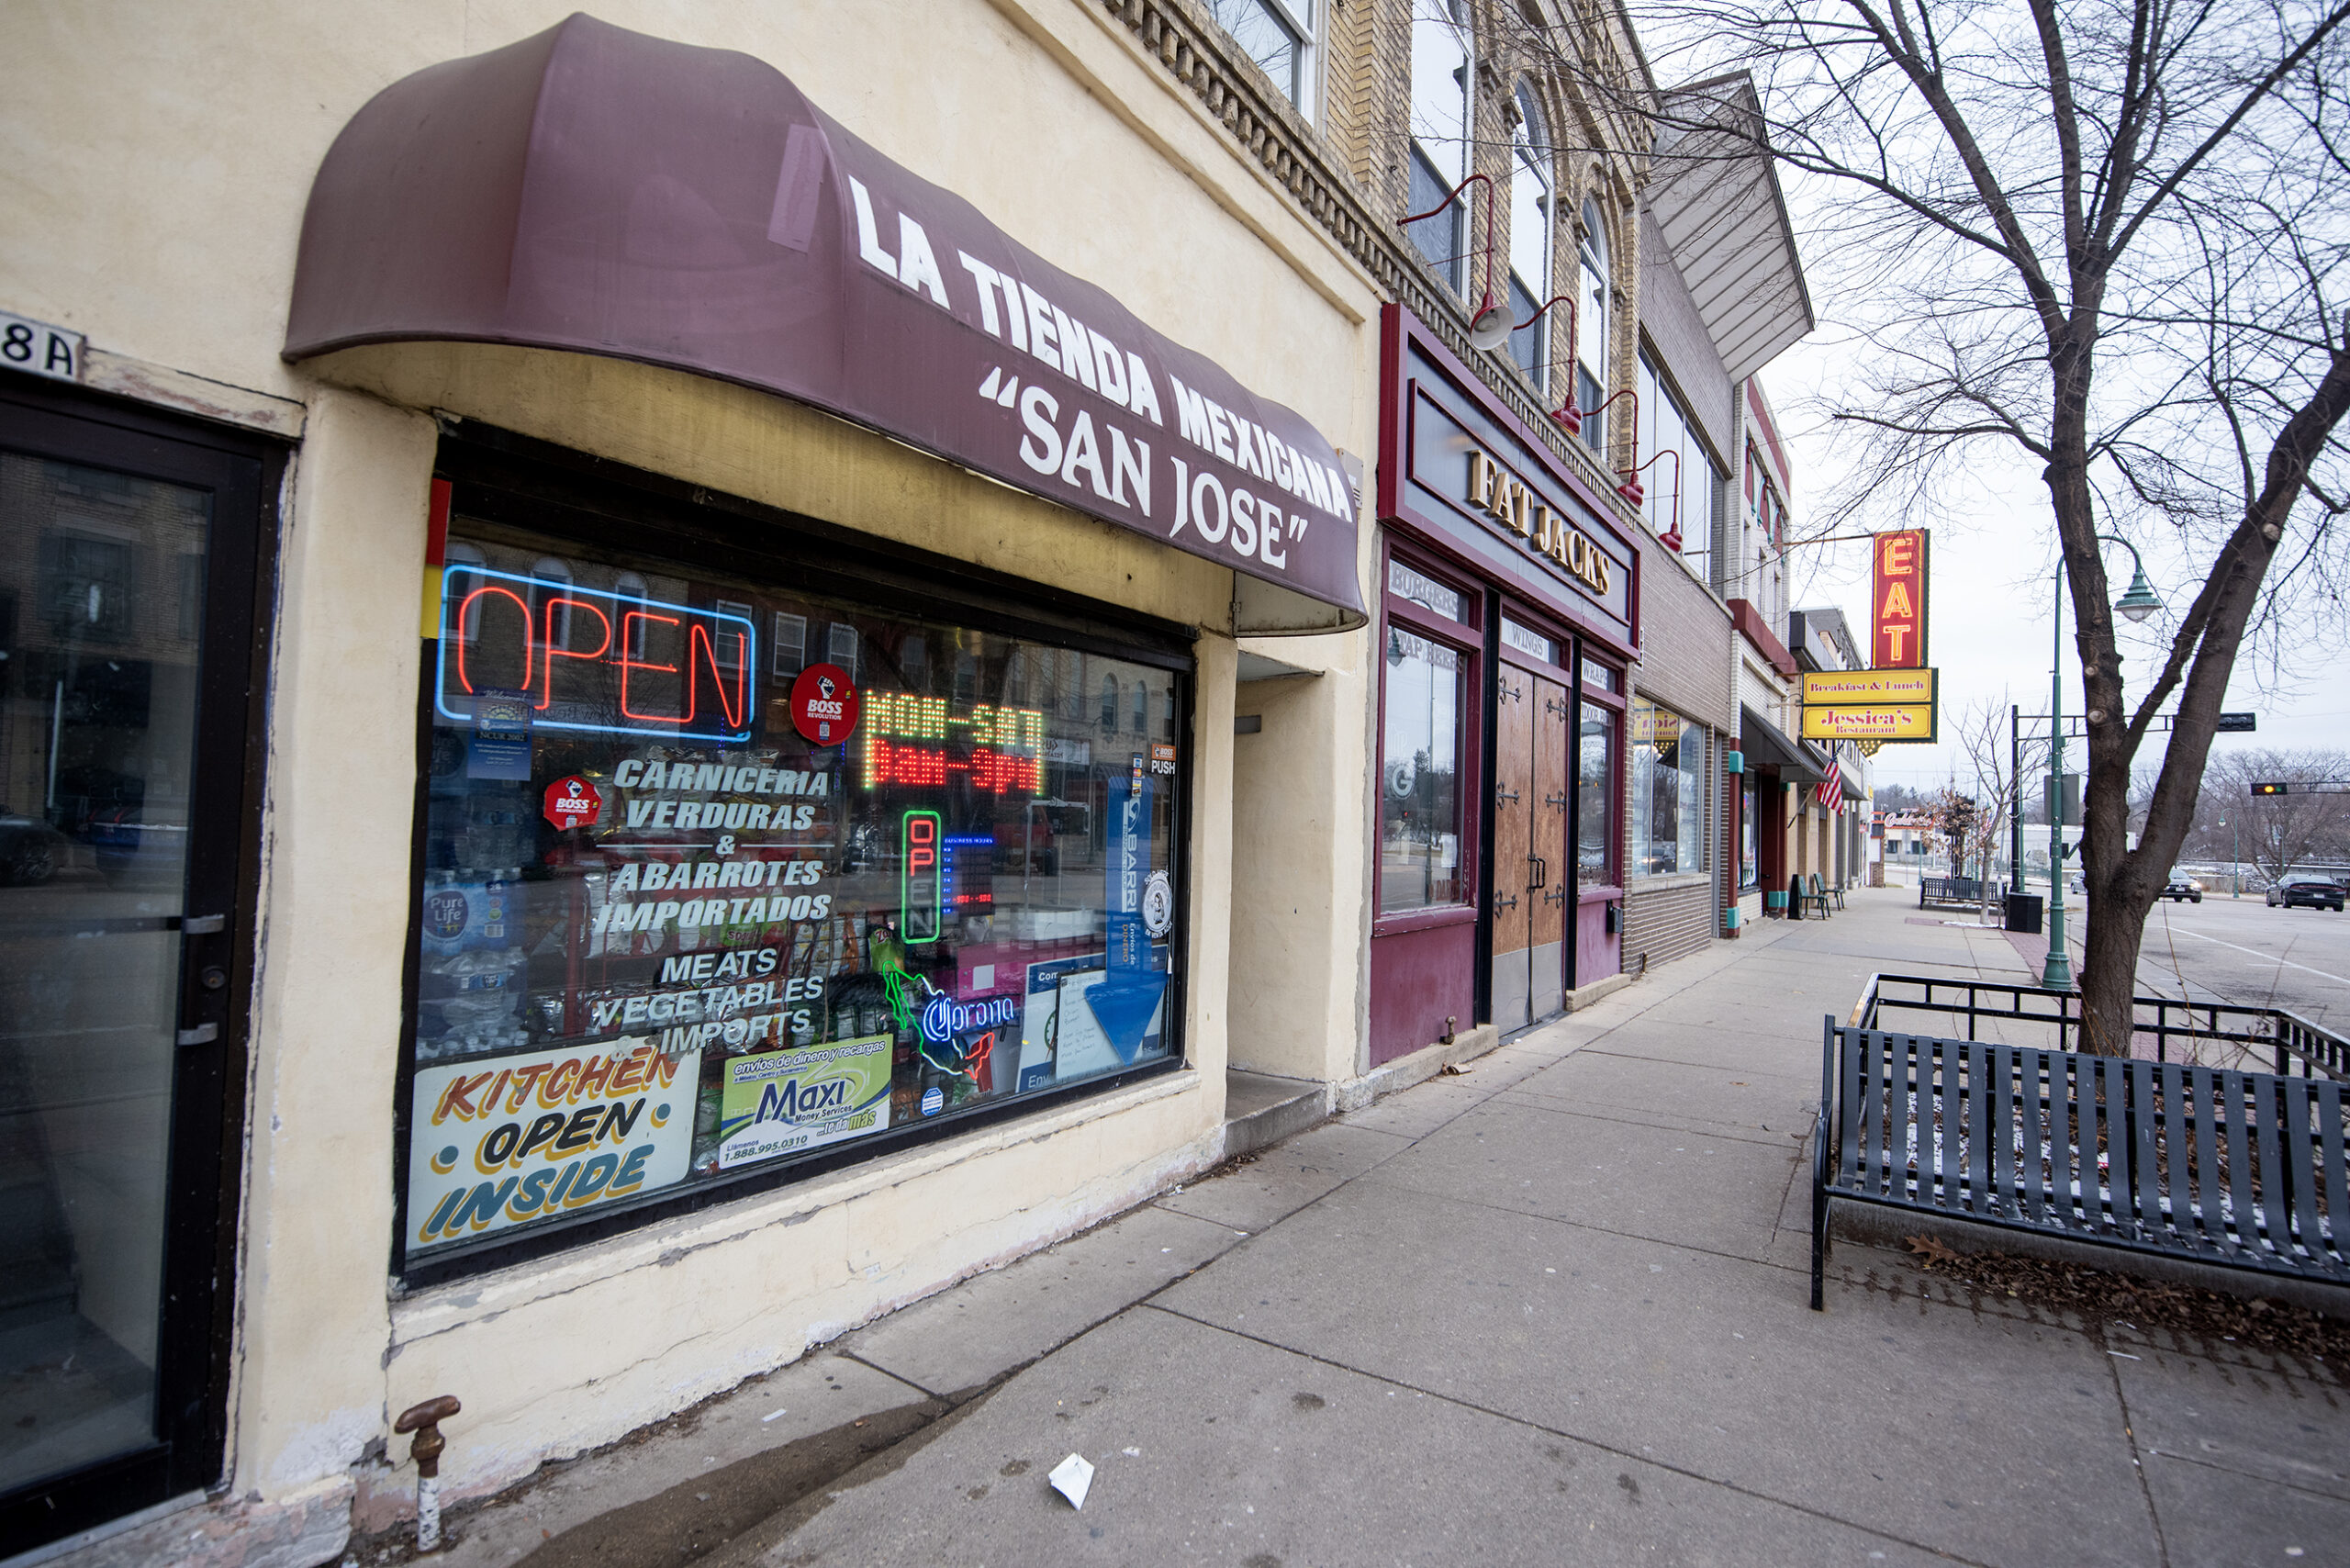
point(1490, 323)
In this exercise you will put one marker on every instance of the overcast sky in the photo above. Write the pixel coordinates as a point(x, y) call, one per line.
point(1992, 585)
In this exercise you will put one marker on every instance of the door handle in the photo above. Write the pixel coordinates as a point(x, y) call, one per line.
point(1541, 872)
point(201, 1034)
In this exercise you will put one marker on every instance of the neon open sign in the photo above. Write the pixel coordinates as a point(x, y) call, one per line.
point(921, 883)
point(595, 660)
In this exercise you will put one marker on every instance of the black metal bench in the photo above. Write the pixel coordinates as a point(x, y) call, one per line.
point(1950, 892)
point(2214, 1164)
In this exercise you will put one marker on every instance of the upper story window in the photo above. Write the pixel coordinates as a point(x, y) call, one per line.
point(1529, 237)
point(1680, 492)
point(1439, 133)
point(1591, 325)
point(1278, 35)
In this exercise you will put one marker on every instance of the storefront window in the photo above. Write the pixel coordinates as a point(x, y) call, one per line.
point(1668, 791)
point(693, 907)
point(1596, 792)
point(1747, 864)
point(1419, 817)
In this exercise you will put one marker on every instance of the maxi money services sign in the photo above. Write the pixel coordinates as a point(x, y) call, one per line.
point(597, 190)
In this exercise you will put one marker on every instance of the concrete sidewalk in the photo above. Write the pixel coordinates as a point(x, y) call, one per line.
point(1550, 1309)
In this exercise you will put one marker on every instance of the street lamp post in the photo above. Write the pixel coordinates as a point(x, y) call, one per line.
point(2057, 973)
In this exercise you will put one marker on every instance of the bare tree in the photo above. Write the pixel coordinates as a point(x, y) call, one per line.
point(2275, 833)
point(1985, 741)
point(2110, 237)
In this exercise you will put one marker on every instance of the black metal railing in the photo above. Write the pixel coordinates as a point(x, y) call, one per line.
point(2202, 1033)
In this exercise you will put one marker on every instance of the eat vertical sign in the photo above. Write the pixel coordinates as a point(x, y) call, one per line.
point(1897, 603)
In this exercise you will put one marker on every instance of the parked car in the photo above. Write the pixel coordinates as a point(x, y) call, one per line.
point(31, 851)
point(2182, 886)
point(2316, 892)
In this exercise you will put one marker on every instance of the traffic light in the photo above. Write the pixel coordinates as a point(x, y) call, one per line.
point(2269, 789)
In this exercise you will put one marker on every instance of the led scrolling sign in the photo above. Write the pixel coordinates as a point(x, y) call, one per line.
point(655, 668)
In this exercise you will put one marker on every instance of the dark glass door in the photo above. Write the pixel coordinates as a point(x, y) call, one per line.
point(127, 569)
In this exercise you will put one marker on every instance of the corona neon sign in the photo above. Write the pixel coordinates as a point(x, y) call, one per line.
point(654, 667)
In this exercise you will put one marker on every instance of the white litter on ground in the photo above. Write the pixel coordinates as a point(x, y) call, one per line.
point(1072, 1478)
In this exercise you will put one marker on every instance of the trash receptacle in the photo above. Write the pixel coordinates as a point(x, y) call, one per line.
point(2023, 913)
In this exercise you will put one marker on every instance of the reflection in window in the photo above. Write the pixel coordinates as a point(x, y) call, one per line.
point(1419, 803)
point(1747, 864)
point(790, 635)
point(1142, 709)
point(550, 611)
point(1590, 328)
point(1595, 793)
point(86, 587)
point(1109, 704)
point(1439, 151)
point(713, 942)
point(460, 554)
point(1668, 791)
point(841, 646)
point(1271, 33)
point(1530, 239)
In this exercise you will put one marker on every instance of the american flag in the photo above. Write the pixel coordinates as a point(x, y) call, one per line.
point(1832, 788)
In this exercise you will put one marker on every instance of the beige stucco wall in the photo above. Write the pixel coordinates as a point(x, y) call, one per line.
point(160, 156)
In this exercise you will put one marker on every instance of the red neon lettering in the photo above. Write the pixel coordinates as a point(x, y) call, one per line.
point(555, 651)
point(465, 609)
point(630, 638)
point(698, 641)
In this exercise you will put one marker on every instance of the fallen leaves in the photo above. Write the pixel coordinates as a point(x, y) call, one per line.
point(1930, 1250)
point(2101, 1296)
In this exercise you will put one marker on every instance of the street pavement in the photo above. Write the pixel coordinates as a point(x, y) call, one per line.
point(2240, 950)
point(1549, 1310)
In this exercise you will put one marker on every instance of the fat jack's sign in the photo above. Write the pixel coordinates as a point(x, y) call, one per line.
point(596, 190)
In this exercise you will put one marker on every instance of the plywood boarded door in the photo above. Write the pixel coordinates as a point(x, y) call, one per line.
point(1551, 883)
point(1515, 805)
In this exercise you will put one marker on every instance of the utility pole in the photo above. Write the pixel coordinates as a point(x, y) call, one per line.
point(2015, 799)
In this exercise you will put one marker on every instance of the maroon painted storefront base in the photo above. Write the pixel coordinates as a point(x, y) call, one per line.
point(1474, 500)
point(1421, 985)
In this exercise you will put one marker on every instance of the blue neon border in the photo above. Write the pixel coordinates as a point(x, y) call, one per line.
point(572, 590)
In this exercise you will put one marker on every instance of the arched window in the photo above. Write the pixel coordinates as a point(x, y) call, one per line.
point(1529, 237)
point(463, 555)
point(1109, 704)
point(1167, 718)
point(554, 581)
point(1439, 151)
point(1142, 707)
point(1591, 335)
point(629, 586)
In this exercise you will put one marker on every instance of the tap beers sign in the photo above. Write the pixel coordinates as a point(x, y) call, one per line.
point(1897, 600)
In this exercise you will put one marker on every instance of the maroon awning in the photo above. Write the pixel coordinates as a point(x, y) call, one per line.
point(597, 190)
